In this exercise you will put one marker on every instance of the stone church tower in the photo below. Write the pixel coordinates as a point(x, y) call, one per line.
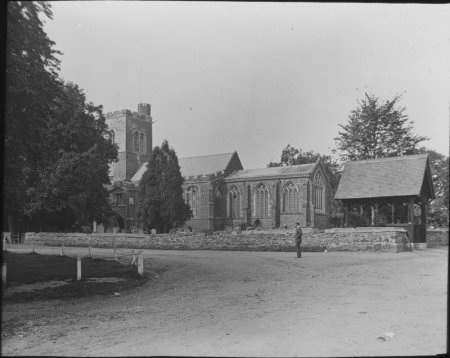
point(132, 132)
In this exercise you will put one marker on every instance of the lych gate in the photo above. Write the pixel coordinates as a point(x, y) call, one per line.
point(387, 192)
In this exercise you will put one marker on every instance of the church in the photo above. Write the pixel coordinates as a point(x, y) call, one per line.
point(220, 192)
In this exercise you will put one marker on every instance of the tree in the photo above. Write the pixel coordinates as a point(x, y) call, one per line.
point(31, 85)
point(161, 203)
point(438, 210)
point(377, 130)
point(69, 190)
point(56, 154)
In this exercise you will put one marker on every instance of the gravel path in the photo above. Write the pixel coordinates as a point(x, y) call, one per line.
point(217, 303)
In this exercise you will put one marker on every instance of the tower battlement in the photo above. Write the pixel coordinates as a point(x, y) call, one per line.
point(143, 112)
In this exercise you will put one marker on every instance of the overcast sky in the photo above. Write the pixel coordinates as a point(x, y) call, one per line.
point(253, 77)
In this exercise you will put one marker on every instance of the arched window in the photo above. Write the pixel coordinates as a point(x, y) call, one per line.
point(318, 192)
point(261, 201)
point(112, 137)
point(217, 203)
point(193, 200)
point(234, 203)
point(290, 198)
point(142, 143)
point(136, 142)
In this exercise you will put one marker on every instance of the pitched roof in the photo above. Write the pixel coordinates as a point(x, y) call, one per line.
point(302, 170)
point(384, 177)
point(206, 164)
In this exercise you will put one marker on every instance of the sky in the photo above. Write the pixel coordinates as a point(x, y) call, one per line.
point(254, 77)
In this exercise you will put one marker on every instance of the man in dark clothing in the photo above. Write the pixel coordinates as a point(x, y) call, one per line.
point(298, 240)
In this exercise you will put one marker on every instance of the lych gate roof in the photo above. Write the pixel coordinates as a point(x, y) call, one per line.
point(298, 170)
point(384, 177)
point(206, 164)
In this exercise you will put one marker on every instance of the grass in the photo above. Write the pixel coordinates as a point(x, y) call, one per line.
point(33, 268)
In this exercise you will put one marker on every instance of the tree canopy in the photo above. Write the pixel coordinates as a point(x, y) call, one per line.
point(438, 210)
point(377, 129)
point(56, 151)
point(161, 203)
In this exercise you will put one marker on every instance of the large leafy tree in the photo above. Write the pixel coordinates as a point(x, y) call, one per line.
point(438, 210)
point(377, 129)
point(31, 85)
point(56, 153)
point(70, 188)
point(161, 203)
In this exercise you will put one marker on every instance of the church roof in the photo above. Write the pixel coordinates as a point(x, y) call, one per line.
point(206, 164)
point(202, 165)
point(301, 170)
point(385, 177)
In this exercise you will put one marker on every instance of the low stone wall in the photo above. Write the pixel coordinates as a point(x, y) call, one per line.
point(394, 240)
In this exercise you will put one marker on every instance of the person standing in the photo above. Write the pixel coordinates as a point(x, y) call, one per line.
point(298, 240)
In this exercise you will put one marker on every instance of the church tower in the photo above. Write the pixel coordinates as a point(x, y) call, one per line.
point(132, 132)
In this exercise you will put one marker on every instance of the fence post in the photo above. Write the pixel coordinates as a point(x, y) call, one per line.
point(115, 253)
point(4, 243)
point(89, 251)
point(133, 257)
point(62, 250)
point(141, 263)
point(78, 268)
point(4, 275)
point(32, 246)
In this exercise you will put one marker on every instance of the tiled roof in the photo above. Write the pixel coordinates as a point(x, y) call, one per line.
point(298, 170)
point(384, 177)
point(207, 164)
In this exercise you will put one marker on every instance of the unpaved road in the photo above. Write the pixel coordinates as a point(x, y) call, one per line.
point(250, 304)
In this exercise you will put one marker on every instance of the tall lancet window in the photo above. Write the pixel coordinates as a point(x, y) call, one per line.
point(136, 142)
point(261, 201)
point(290, 198)
point(142, 143)
point(234, 203)
point(318, 192)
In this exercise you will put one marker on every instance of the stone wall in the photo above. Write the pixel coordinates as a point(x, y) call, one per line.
point(360, 239)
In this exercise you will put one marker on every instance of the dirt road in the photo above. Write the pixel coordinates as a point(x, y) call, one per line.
point(250, 304)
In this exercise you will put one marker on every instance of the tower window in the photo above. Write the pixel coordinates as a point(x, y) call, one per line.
point(136, 142)
point(141, 143)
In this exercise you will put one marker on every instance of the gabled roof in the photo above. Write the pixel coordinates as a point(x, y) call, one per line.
point(301, 170)
point(202, 165)
point(385, 177)
point(206, 164)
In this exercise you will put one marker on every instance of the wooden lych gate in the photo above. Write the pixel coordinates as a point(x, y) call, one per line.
point(390, 192)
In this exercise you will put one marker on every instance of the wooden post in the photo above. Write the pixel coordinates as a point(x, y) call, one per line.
point(32, 247)
point(411, 220)
point(345, 214)
point(141, 263)
point(133, 257)
point(115, 253)
point(62, 250)
point(4, 275)
point(78, 268)
point(89, 251)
